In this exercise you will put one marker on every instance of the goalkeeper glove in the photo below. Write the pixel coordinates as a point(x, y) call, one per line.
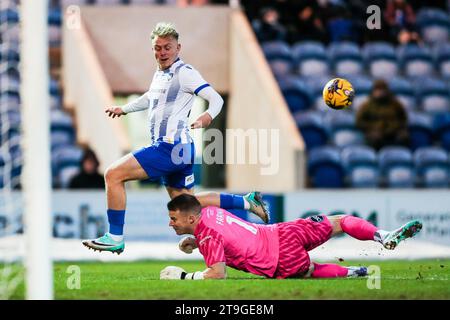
point(187, 244)
point(177, 273)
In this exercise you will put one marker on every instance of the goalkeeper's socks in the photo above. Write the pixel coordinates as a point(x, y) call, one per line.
point(231, 201)
point(328, 270)
point(116, 219)
point(358, 228)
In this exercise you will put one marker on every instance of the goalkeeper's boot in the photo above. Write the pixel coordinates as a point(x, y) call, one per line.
point(105, 243)
point(409, 230)
point(257, 205)
point(356, 272)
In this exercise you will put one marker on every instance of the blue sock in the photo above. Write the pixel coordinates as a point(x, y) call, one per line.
point(231, 201)
point(116, 219)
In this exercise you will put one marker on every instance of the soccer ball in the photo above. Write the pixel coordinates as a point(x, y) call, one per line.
point(338, 93)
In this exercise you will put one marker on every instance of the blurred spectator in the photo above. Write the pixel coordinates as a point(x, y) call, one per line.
point(401, 19)
point(308, 25)
point(341, 26)
point(88, 178)
point(268, 27)
point(383, 118)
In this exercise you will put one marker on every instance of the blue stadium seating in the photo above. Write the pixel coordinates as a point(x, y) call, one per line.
point(61, 121)
point(64, 157)
point(432, 167)
point(312, 128)
point(441, 124)
point(420, 127)
point(296, 93)
point(381, 59)
point(361, 165)
point(396, 167)
point(363, 87)
point(310, 58)
point(434, 94)
point(343, 132)
point(315, 86)
point(346, 58)
point(404, 91)
point(442, 59)
point(277, 50)
point(434, 25)
point(9, 52)
point(325, 168)
point(9, 101)
point(278, 54)
point(416, 61)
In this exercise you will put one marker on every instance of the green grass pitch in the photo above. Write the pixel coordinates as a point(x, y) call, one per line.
point(422, 279)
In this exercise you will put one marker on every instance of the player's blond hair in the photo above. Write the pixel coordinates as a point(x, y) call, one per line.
point(163, 30)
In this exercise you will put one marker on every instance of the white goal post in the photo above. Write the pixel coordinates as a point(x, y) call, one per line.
point(36, 176)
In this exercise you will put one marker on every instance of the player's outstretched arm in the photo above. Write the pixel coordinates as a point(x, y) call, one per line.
point(114, 112)
point(216, 271)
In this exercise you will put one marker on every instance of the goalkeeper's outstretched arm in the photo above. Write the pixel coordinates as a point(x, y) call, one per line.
point(216, 271)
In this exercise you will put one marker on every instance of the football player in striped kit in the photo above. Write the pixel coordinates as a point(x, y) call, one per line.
point(170, 155)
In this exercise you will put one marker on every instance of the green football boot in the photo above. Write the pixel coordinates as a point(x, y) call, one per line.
point(105, 243)
point(409, 230)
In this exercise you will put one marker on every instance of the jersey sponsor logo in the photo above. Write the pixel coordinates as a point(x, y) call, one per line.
point(316, 218)
point(219, 217)
point(189, 179)
point(204, 239)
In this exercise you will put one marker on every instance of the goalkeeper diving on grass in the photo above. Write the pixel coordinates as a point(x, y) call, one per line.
point(170, 155)
point(275, 250)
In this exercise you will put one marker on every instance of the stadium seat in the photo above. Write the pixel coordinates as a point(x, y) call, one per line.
point(396, 167)
point(61, 121)
point(432, 167)
point(276, 50)
point(416, 61)
point(9, 101)
point(361, 166)
point(420, 127)
point(54, 87)
point(441, 124)
point(434, 94)
point(315, 85)
point(312, 128)
point(346, 58)
point(66, 174)
point(10, 122)
point(380, 59)
point(9, 52)
point(310, 58)
point(434, 25)
point(442, 59)
point(404, 91)
point(325, 169)
point(296, 93)
point(54, 27)
point(278, 54)
point(9, 15)
point(66, 156)
point(363, 87)
point(341, 125)
point(61, 138)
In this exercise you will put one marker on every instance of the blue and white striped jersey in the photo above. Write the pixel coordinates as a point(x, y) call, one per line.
point(169, 100)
